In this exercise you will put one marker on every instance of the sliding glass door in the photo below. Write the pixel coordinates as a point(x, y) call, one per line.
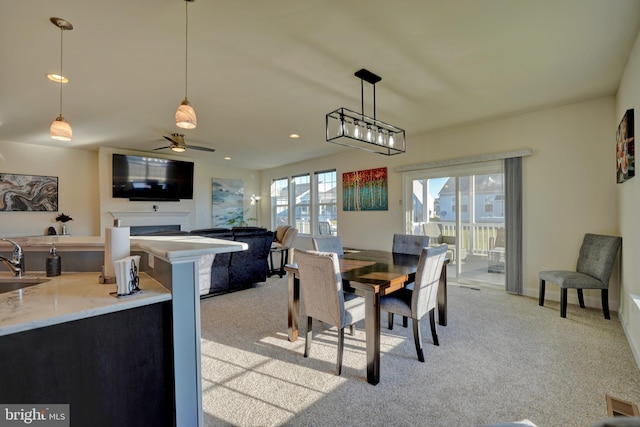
point(464, 208)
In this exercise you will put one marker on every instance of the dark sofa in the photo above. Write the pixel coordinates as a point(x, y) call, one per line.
point(238, 270)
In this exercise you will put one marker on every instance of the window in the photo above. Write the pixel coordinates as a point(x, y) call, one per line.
point(309, 205)
point(327, 208)
point(280, 202)
point(301, 203)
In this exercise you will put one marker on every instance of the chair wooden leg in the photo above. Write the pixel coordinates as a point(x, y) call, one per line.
point(390, 320)
point(405, 321)
point(418, 339)
point(541, 293)
point(307, 344)
point(563, 302)
point(432, 320)
point(605, 303)
point(340, 351)
point(580, 297)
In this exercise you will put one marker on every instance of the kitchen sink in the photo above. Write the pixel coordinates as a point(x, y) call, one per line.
point(8, 284)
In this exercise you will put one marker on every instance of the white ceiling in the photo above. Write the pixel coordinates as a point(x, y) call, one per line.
point(262, 69)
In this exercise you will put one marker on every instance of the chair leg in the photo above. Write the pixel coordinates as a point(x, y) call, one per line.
point(605, 303)
point(307, 344)
point(580, 297)
point(390, 320)
point(432, 320)
point(563, 302)
point(541, 293)
point(352, 330)
point(405, 321)
point(418, 339)
point(340, 351)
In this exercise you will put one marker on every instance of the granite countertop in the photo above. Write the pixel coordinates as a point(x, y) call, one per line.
point(171, 248)
point(69, 297)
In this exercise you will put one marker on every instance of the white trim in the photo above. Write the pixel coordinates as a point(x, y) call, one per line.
point(465, 160)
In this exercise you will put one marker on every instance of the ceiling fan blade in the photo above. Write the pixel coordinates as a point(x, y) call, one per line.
point(168, 138)
point(195, 147)
point(162, 148)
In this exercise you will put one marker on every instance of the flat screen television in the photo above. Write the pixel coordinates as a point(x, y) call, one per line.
point(142, 178)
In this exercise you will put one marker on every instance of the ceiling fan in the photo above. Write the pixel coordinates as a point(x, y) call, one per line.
point(178, 145)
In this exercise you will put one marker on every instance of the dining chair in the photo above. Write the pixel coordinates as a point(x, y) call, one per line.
point(422, 299)
point(323, 297)
point(595, 263)
point(328, 244)
point(411, 245)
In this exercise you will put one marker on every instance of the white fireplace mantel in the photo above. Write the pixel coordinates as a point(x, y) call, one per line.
point(129, 219)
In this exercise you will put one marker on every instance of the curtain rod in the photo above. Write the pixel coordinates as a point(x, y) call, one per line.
point(465, 160)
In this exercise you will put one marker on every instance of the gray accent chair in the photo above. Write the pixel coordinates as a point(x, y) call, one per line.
point(411, 245)
point(323, 297)
point(328, 244)
point(595, 262)
point(408, 244)
point(422, 299)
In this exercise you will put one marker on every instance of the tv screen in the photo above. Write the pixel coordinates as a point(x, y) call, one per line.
point(141, 178)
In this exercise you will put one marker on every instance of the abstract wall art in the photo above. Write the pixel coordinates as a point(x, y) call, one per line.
point(227, 202)
point(28, 193)
point(625, 149)
point(365, 190)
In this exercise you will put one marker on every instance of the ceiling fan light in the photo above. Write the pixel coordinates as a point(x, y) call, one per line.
point(186, 116)
point(60, 129)
point(178, 148)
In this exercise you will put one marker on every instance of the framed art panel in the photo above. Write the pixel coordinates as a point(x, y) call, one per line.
point(19, 193)
point(227, 201)
point(365, 190)
point(625, 148)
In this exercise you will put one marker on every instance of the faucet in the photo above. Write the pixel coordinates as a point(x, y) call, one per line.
point(16, 265)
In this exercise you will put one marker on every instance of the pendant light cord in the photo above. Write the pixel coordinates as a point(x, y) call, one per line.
point(186, 49)
point(61, 76)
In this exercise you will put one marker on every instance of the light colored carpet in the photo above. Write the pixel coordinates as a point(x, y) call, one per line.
point(501, 358)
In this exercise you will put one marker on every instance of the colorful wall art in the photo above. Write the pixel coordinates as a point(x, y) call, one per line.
point(625, 148)
point(365, 190)
point(28, 193)
point(227, 202)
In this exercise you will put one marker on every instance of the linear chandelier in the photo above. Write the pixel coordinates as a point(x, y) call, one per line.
point(60, 129)
point(356, 130)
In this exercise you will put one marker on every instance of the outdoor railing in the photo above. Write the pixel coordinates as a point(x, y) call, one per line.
point(477, 238)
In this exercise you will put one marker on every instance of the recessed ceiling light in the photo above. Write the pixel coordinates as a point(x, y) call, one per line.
point(227, 158)
point(294, 136)
point(57, 78)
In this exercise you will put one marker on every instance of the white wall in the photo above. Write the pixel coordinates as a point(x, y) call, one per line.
point(200, 207)
point(629, 199)
point(77, 188)
point(569, 182)
point(84, 181)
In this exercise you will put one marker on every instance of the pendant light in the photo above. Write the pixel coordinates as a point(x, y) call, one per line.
point(60, 129)
point(186, 115)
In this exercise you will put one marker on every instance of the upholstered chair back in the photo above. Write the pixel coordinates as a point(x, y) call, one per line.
point(408, 244)
point(321, 286)
point(597, 256)
point(328, 244)
point(425, 289)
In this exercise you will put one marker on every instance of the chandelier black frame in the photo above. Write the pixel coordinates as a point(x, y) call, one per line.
point(356, 130)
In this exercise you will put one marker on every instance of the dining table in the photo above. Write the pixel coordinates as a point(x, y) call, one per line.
point(370, 274)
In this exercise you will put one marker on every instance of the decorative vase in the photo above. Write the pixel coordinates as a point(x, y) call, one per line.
point(63, 231)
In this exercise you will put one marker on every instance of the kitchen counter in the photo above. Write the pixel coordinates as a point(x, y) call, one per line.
point(69, 297)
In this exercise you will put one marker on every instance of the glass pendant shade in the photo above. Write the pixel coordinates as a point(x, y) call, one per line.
point(186, 116)
point(60, 129)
